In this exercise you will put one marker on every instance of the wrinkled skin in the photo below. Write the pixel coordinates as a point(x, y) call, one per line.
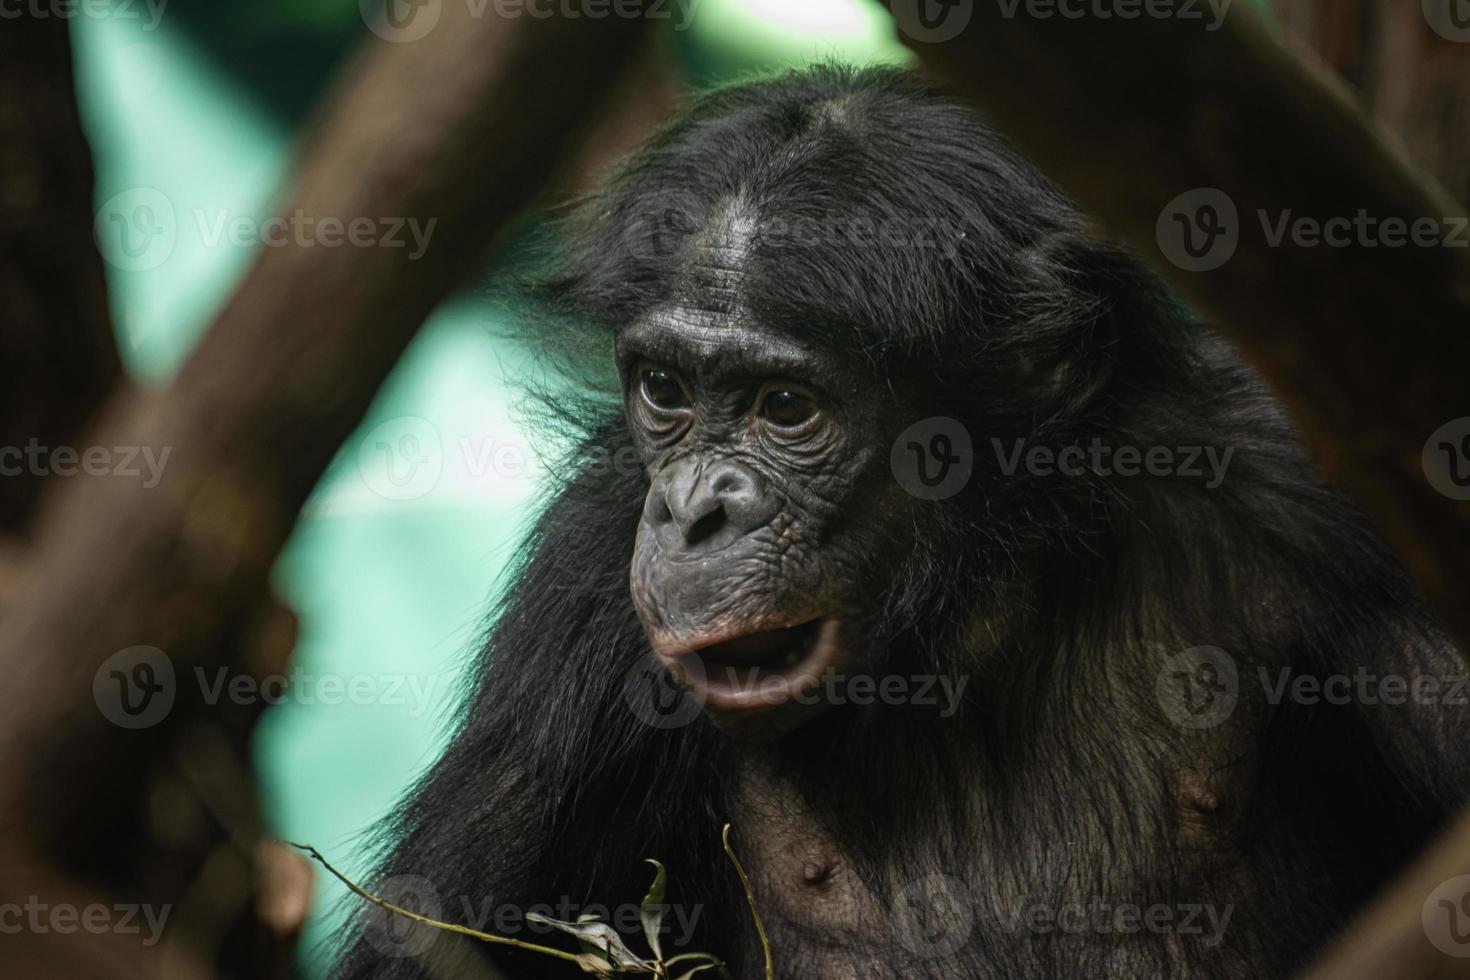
point(768, 488)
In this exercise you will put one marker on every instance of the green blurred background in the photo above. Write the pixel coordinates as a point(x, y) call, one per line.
point(192, 115)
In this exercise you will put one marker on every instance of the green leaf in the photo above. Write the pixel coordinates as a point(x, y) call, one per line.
point(599, 941)
point(653, 909)
point(595, 964)
point(703, 958)
point(698, 969)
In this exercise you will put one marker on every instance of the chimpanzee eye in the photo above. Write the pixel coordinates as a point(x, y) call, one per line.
point(787, 408)
point(662, 389)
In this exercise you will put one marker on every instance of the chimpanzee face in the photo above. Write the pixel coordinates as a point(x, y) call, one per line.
point(769, 503)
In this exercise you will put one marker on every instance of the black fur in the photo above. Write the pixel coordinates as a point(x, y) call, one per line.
point(1062, 779)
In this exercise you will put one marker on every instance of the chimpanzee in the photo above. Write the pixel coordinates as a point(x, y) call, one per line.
point(923, 537)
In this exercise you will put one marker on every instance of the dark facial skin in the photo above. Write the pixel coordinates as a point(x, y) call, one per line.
point(769, 499)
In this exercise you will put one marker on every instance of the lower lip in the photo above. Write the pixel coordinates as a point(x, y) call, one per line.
point(733, 689)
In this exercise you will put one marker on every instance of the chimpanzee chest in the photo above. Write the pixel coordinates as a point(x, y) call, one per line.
point(1040, 907)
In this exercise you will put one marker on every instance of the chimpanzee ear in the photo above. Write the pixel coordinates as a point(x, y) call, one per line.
point(1064, 294)
point(1076, 379)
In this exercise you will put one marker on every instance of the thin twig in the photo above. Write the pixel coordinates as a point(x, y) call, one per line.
point(760, 927)
point(448, 927)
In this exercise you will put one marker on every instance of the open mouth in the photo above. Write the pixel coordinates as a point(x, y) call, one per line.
point(760, 670)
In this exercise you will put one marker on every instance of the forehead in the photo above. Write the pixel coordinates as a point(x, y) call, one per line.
point(720, 341)
point(707, 324)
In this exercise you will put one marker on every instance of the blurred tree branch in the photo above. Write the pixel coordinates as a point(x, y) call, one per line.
point(56, 344)
point(437, 128)
point(1412, 81)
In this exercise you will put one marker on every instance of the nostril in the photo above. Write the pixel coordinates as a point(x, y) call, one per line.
point(706, 527)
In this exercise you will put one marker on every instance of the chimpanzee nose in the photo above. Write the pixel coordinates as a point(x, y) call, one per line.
point(701, 507)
